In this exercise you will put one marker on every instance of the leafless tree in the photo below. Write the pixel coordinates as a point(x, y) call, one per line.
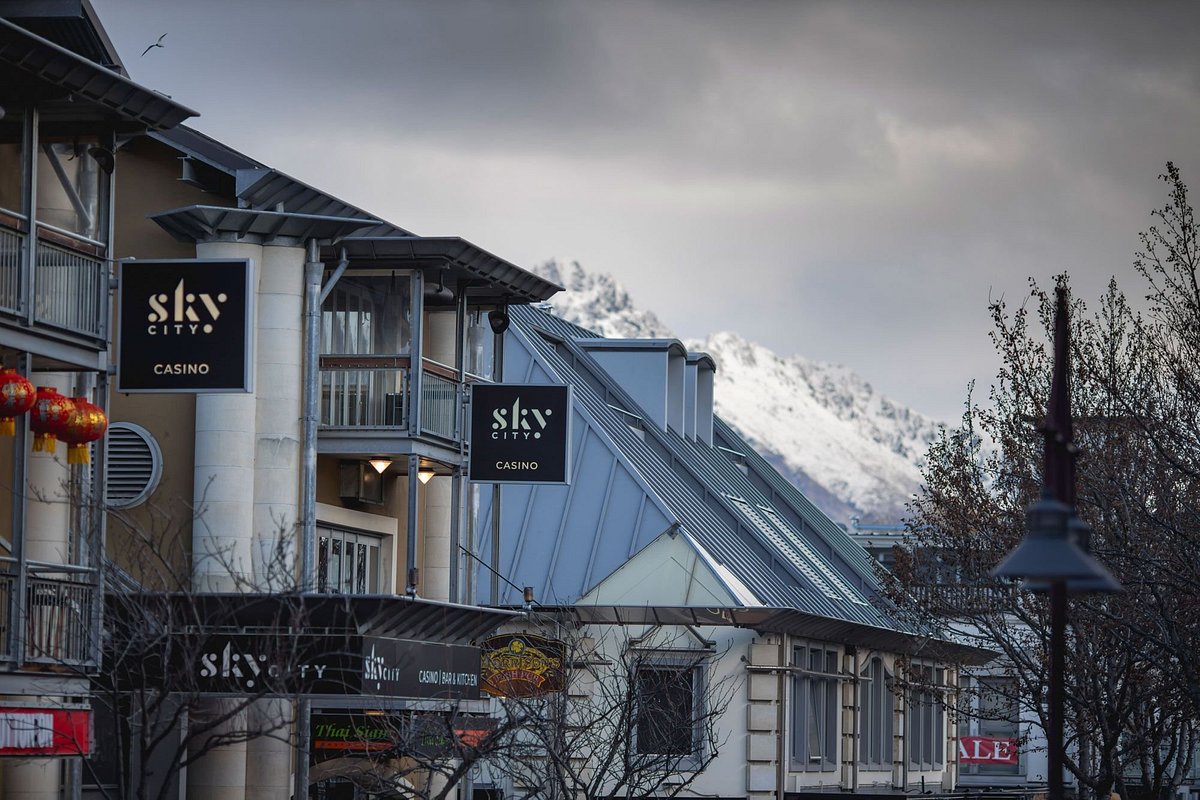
point(1132, 690)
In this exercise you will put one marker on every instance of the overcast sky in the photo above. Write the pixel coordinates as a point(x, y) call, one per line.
point(846, 181)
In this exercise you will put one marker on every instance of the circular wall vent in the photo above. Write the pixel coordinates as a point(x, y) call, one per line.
point(134, 465)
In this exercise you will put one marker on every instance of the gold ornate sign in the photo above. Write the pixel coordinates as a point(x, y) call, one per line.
point(522, 665)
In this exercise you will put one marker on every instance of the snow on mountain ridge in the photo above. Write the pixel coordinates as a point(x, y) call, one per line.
point(852, 450)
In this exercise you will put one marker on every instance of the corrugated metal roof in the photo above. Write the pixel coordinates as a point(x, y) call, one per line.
point(393, 616)
point(202, 223)
point(776, 620)
point(501, 279)
point(708, 493)
point(57, 66)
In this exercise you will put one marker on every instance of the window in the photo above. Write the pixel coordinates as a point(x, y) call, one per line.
point(367, 315)
point(814, 709)
point(72, 188)
point(991, 715)
point(669, 698)
point(347, 562)
point(925, 733)
point(876, 703)
point(479, 350)
point(12, 160)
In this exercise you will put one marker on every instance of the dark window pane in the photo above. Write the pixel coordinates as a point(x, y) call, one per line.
point(665, 699)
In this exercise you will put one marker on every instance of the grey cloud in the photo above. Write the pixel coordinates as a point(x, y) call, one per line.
point(867, 172)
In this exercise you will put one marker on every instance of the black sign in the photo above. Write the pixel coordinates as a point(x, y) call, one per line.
point(284, 664)
point(520, 433)
point(382, 735)
point(185, 326)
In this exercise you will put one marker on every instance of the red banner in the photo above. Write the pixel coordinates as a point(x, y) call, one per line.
point(986, 750)
point(45, 732)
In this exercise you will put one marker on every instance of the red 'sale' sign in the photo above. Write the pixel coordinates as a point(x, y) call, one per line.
point(44, 732)
point(986, 750)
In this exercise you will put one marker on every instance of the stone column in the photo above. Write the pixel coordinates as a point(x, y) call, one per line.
point(47, 522)
point(440, 337)
point(277, 415)
point(222, 534)
point(278, 400)
point(435, 575)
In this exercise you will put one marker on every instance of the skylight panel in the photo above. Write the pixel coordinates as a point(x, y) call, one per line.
point(847, 591)
point(773, 535)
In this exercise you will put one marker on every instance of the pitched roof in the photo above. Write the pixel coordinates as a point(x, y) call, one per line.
point(776, 543)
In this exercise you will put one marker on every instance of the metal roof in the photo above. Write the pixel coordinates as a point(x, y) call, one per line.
point(205, 223)
point(503, 281)
point(56, 66)
point(204, 148)
point(71, 23)
point(392, 616)
point(261, 187)
point(782, 559)
point(776, 620)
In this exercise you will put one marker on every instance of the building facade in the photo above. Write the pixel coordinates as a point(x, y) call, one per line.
point(337, 469)
point(675, 530)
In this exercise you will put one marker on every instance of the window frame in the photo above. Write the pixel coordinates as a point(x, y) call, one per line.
point(877, 710)
point(693, 662)
point(807, 685)
point(971, 724)
point(925, 719)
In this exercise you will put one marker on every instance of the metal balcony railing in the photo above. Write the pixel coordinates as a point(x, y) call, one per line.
point(957, 599)
point(378, 397)
point(374, 398)
point(12, 248)
point(58, 617)
point(70, 289)
point(439, 405)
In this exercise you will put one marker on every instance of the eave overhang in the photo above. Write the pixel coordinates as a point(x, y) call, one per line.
point(216, 223)
point(489, 277)
point(781, 620)
point(56, 67)
point(390, 616)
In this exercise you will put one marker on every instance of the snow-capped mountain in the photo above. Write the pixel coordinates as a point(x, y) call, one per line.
point(852, 451)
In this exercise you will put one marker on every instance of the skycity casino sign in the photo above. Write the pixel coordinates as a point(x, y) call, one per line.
point(520, 433)
point(185, 326)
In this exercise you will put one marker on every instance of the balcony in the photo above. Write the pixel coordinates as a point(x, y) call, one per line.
point(70, 280)
point(375, 393)
point(963, 599)
point(59, 618)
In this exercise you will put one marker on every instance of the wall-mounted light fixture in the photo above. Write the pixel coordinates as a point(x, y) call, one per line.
point(498, 319)
point(380, 464)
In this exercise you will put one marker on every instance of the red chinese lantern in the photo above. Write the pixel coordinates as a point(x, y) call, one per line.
point(16, 397)
point(48, 417)
point(86, 424)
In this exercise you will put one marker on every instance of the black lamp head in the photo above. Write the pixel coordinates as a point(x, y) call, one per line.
point(1050, 552)
point(498, 319)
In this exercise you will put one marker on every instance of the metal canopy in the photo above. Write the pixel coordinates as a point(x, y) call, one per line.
point(390, 616)
point(777, 620)
point(497, 280)
point(62, 72)
point(207, 223)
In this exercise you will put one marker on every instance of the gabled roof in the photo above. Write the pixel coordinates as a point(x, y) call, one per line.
point(773, 546)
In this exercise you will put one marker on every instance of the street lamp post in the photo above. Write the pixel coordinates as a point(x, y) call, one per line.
point(1049, 558)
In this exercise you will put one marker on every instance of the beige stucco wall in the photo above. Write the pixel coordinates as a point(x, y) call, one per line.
point(147, 182)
